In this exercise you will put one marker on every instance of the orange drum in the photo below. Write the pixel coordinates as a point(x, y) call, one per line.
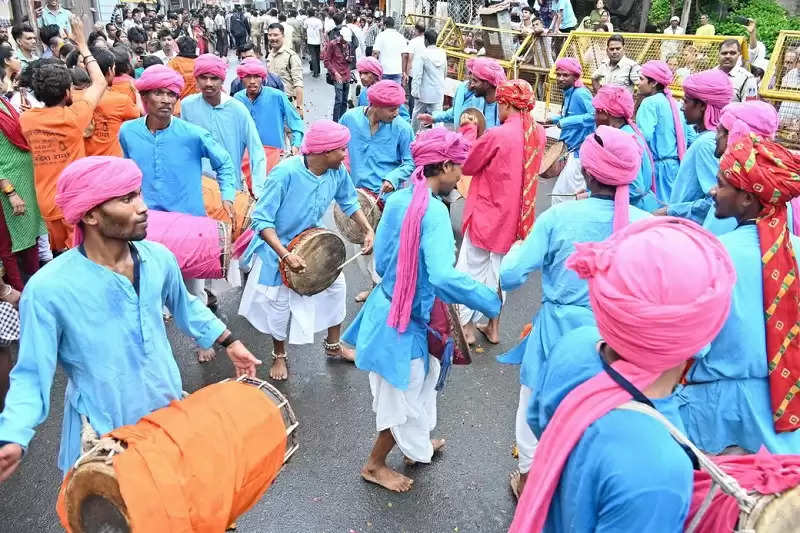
point(324, 253)
point(242, 207)
point(195, 465)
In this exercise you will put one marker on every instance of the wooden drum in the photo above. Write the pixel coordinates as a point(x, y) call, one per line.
point(773, 513)
point(554, 160)
point(372, 207)
point(324, 253)
point(243, 206)
point(195, 465)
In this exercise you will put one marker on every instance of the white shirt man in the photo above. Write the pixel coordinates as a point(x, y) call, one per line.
point(389, 48)
point(313, 31)
point(669, 48)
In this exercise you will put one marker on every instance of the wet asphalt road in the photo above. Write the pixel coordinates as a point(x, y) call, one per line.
point(320, 490)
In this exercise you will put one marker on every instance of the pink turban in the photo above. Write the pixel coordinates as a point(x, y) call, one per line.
point(370, 64)
point(573, 66)
point(487, 69)
point(661, 73)
point(615, 162)
point(643, 281)
point(386, 93)
point(712, 87)
point(323, 136)
point(742, 119)
point(251, 67)
point(91, 181)
point(159, 77)
point(211, 65)
point(432, 146)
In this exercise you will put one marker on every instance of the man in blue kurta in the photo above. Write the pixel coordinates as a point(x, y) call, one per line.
point(705, 94)
point(226, 119)
point(96, 309)
point(595, 467)
point(414, 254)
point(576, 121)
point(379, 149)
point(735, 392)
point(298, 192)
point(370, 72)
point(565, 298)
point(478, 92)
point(271, 111)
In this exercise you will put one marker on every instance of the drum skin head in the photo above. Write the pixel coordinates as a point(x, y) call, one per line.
point(93, 500)
point(552, 164)
point(324, 252)
point(772, 514)
point(349, 228)
point(478, 115)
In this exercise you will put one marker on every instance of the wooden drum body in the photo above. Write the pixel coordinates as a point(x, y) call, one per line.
point(773, 513)
point(323, 252)
point(554, 160)
point(371, 206)
point(243, 206)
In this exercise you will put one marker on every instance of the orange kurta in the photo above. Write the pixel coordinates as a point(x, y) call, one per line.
point(124, 85)
point(112, 110)
point(185, 67)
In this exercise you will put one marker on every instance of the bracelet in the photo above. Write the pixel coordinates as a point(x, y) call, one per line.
point(230, 339)
point(285, 256)
point(86, 63)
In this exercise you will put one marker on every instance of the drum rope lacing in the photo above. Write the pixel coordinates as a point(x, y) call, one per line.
point(720, 479)
point(91, 444)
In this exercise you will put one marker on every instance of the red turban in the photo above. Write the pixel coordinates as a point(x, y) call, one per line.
point(91, 181)
point(772, 173)
point(251, 67)
point(573, 66)
point(211, 65)
point(487, 69)
point(323, 136)
point(712, 87)
point(159, 77)
point(386, 93)
point(370, 64)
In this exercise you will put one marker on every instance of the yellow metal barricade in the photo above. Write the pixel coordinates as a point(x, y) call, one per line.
point(781, 87)
point(440, 24)
point(505, 45)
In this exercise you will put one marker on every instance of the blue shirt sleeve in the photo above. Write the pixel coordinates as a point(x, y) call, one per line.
point(583, 111)
point(400, 174)
point(699, 169)
point(222, 165)
point(526, 257)
point(293, 121)
point(647, 120)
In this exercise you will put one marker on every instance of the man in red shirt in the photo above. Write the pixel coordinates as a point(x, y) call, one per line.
point(337, 56)
point(500, 204)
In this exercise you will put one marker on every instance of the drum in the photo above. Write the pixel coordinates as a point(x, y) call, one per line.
point(195, 465)
point(243, 206)
point(201, 245)
point(554, 160)
point(324, 253)
point(773, 513)
point(372, 207)
point(445, 324)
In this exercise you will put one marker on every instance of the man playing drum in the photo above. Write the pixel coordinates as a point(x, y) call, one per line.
point(370, 72)
point(414, 256)
point(379, 148)
point(740, 393)
point(576, 121)
point(611, 163)
point(660, 290)
point(501, 201)
point(96, 309)
point(299, 191)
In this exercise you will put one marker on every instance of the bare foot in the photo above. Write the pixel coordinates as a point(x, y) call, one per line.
point(438, 444)
point(348, 354)
point(204, 356)
point(279, 371)
point(490, 333)
point(387, 478)
point(362, 296)
point(469, 333)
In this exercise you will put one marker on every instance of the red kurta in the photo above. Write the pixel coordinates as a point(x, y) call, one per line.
point(493, 204)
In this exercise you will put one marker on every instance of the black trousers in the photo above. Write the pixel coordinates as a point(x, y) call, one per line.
point(314, 49)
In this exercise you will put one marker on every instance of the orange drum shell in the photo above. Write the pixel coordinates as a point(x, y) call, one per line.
point(321, 265)
point(242, 207)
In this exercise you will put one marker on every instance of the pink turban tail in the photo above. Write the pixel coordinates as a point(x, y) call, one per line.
point(712, 87)
point(159, 77)
point(661, 73)
point(370, 64)
point(323, 136)
point(210, 64)
point(573, 66)
point(487, 69)
point(616, 162)
point(91, 181)
point(251, 67)
point(617, 101)
point(636, 315)
point(386, 93)
point(436, 145)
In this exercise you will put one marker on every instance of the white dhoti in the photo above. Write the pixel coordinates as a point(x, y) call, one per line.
point(410, 414)
point(282, 313)
point(483, 266)
point(569, 181)
point(197, 288)
point(526, 440)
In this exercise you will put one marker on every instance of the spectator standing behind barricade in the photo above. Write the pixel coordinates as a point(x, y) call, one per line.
point(743, 82)
point(389, 48)
point(564, 19)
point(427, 78)
point(619, 69)
point(313, 26)
point(705, 28)
point(53, 13)
point(284, 62)
point(669, 48)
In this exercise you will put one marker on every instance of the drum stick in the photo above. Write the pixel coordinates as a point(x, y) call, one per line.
point(350, 260)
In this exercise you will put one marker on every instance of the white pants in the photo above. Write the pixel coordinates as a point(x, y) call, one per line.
point(410, 414)
point(197, 288)
point(483, 266)
point(569, 181)
point(526, 440)
point(282, 313)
